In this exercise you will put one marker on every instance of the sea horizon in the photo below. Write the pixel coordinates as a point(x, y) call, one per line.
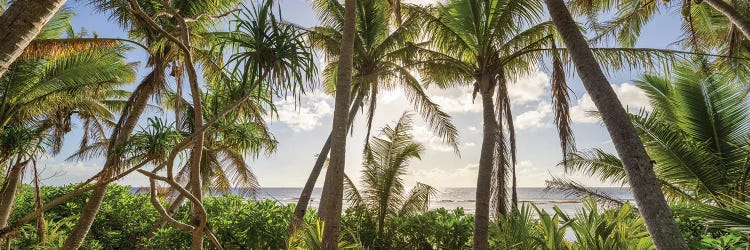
point(448, 198)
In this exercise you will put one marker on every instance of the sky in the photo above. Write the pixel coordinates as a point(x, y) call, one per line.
point(302, 129)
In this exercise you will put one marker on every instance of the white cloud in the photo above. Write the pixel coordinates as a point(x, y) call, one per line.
point(306, 114)
point(530, 88)
point(530, 175)
point(472, 128)
point(469, 144)
point(440, 177)
point(536, 118)
point(630, 96)
point(424, 135)
point(458, 100)
point(54, 172)
point(391, 96)
point(526, 89)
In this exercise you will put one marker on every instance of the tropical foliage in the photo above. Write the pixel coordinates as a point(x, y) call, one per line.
point(386, 160)
point(696, 133)
point(239, 59)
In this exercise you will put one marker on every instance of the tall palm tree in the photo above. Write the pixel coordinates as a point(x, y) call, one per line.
point(696, 132)
point(386, 159)
point(22, 21)
point(333, 189)
point(381, 58)
point(638, 166)
point(488, 45)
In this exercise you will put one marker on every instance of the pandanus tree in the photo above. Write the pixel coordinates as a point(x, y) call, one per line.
point(381, 63)
point(163, 51)
point(386, 159)
point(229, 142)
point(636, 162)
point(270, 60)
point(489, 45)
point(696, 132)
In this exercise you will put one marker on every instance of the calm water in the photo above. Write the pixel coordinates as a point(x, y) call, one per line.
point(451, 198)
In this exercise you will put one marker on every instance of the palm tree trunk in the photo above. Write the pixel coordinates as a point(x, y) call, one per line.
point(88, 215)
point(126, 124)
point(304, 199)
point(486, 159)
point(514, 194)
point(9, 190)
point(735, 17)
point(638, 166)
point(333, 188)
point(176, 203)
point(21, 23)
point(41, 225)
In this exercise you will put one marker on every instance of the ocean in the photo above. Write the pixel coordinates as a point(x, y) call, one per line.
point(448, 198)
point(451, 198)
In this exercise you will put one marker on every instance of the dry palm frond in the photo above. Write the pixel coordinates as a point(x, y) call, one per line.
point(56, 47)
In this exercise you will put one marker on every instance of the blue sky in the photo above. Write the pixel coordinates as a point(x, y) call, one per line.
point(301, 130)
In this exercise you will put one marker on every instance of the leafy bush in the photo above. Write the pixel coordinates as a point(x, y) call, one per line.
point(241, 223)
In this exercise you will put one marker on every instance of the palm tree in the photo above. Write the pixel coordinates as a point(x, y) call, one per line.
point(386, 159)
point(333, 188)
point(632, 15)
point(644, 184)
point(22, 21)
point(715, 25)
point(487, 45)
point(381, 63)
point(696, 133)
point(466, 52)
point(40, 95)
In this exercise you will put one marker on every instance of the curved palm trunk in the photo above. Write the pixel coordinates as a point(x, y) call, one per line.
point(88, 215)
point(333, 188)
point(304, 199)
point(21, 23)
point(128, 120)
point(9, 191)
point(644, 185)
point(484, 175)
point(735, 17)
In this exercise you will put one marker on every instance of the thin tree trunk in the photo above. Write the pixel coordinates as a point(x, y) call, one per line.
point(638, 166)
point(9, 190)
point(176, 203)
point(41, 225)
point(333, 189)
point(88, 215)
point(514, 194)
point(21, 23)
point(195, 157)
point(126, 124)
point(486, 160)
point(735, 17)
point(304, 199)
